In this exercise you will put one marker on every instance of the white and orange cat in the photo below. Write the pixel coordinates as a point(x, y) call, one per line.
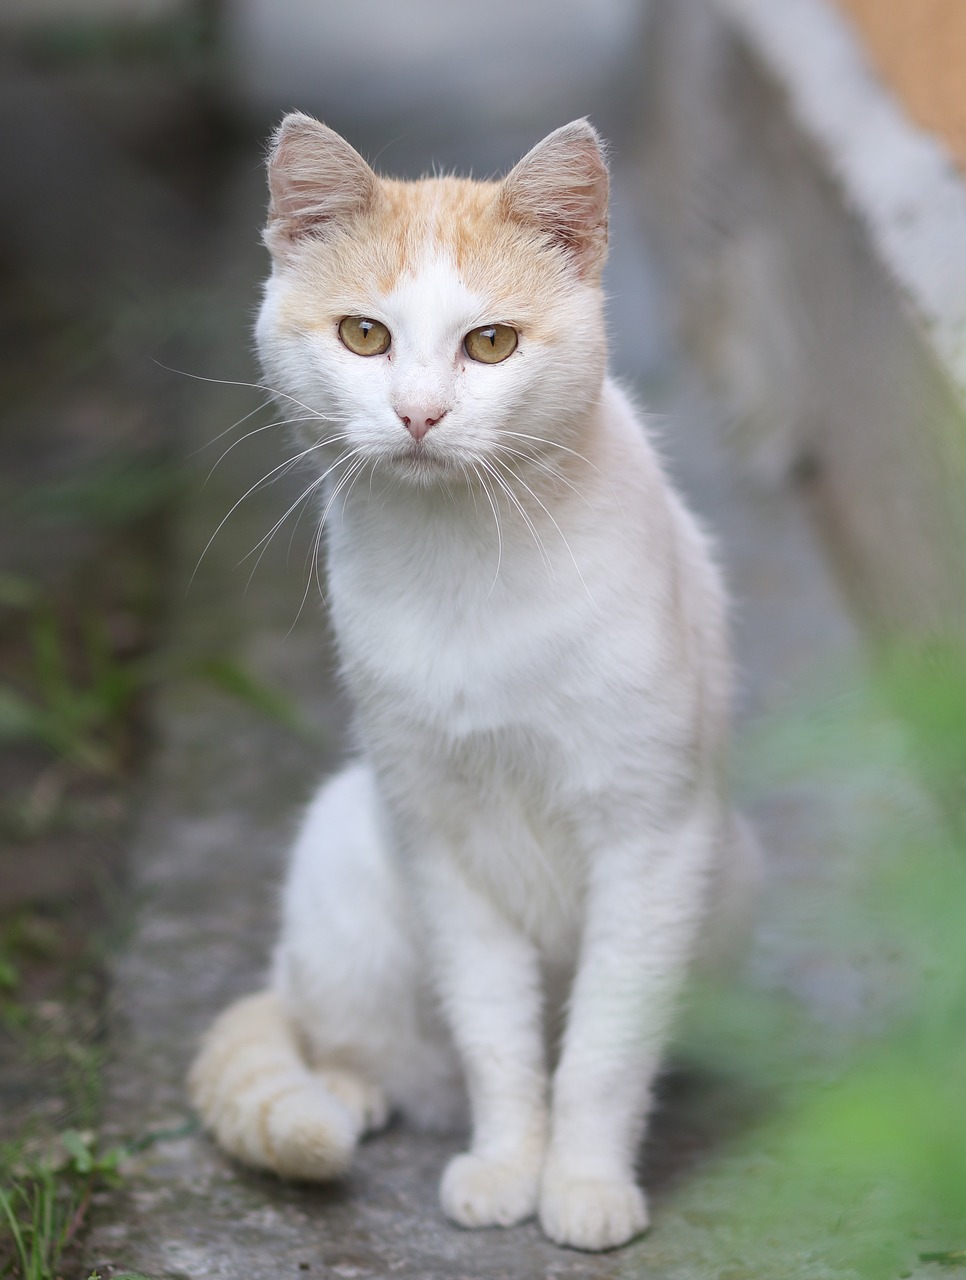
point(498, 900)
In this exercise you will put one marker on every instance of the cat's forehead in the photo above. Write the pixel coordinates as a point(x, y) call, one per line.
point(440, 246)
point(448, 238)
point(415, 225)
point(451, 217)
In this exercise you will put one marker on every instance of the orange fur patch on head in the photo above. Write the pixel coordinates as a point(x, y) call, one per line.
point(514, 267)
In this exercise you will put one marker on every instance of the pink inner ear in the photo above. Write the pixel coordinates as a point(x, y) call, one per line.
point(561, 188)
point(314, 176)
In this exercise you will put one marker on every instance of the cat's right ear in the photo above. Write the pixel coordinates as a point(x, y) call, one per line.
point(315, 179)
point(560, 187)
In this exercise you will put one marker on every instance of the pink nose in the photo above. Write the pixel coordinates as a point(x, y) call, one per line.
point(418, 421)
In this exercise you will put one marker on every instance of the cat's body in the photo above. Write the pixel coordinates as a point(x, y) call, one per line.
point(516, 875)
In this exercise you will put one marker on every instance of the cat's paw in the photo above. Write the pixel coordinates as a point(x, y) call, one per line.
point(591, 1213)
point(365, 1102)
point(477, 1192)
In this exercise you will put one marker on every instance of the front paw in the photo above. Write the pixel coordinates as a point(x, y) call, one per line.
point(591, 1213)
point(478, 1192)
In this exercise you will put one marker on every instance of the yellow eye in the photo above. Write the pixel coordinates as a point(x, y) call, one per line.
point(364, 337)
point(491, 343)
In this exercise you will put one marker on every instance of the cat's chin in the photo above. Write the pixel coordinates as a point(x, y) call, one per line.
point(420, 467)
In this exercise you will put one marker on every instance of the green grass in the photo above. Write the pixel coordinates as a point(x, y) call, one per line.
point(46, 1201)
point(45, 1197)
point(52, 1167)
point(49, 1169)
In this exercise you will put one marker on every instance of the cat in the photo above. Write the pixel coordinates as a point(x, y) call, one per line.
point(497, 901)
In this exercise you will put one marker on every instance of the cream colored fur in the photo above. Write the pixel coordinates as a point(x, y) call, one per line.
point(499, 900)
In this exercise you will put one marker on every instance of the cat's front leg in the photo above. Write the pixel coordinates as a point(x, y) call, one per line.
point(645, 903)
point(488, 975)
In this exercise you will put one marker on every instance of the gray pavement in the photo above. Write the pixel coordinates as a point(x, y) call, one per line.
point(224, 795)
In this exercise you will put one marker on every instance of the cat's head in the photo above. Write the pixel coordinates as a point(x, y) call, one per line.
point(442, 325)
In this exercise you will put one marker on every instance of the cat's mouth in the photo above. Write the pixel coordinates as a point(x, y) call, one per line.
point(417, 460)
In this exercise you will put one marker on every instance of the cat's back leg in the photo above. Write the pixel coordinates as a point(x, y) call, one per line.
point(349, 967)
point(291, 1078)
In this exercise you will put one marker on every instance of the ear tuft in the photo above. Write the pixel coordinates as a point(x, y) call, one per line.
point(315, 179)
point(561, 188)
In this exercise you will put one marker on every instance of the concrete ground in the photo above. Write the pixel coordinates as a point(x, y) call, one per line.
point(225, 793)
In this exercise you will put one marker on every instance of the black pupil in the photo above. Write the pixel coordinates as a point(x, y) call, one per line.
point(491, 334)
point(365, 326)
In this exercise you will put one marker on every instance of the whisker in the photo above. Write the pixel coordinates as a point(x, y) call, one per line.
point(214, 439)
point(543, 464)
point(231, 382)
point(559, 530)
point(351, 471)
point(280, 422)
point(266, 479)
point(358, 462)
point(555, 444)
point(266, 539)
point(358, 472)
point(515, 501)
point(552, 444)
point(496, 519)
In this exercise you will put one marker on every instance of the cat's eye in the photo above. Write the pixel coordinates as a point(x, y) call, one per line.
point(491, 343)
point(363, 336)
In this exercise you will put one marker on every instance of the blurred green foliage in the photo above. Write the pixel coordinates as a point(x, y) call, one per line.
point(856, 1163)
point(112, 495)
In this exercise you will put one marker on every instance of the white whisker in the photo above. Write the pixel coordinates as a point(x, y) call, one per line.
point(358, 462)
point(275, 472)
point(560, 531)
point(496, 520)
point(214, 439)
point(231, 382)
point(555, 444)
point(542, 464)
point(267, 538)
point(551, 444)
point(279, 422)
point(264, 541)
point(524, 514)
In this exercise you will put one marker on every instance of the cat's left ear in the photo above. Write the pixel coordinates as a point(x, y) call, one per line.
point(561, 188)
point(316, 180)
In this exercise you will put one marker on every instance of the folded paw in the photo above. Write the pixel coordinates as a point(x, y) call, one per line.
point(591, 1213)
point(478, 1192)
point(365, 1102)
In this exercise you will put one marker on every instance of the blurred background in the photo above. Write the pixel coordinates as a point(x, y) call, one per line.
point(132, 139)
point(787, 293)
